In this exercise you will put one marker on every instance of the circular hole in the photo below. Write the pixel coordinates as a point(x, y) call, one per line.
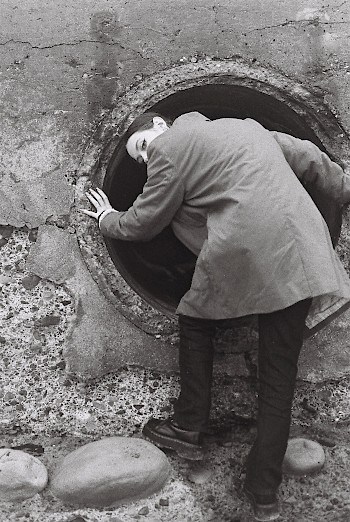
point(160, 270)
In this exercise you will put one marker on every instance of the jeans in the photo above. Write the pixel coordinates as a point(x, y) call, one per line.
point(280, 342)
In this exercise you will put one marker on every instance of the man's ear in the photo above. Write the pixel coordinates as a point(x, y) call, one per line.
point(159, 122)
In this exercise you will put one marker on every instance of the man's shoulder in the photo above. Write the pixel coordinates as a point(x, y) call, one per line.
point(189, 117)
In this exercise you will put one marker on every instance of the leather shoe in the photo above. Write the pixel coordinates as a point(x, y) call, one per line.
point(166, 434)
point(265, 507)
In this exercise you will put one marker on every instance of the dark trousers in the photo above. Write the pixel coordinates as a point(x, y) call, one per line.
point(280, 342)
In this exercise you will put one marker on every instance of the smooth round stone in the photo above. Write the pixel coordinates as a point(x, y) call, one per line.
point(21, 475)
point(110, 472)
point(303, 457)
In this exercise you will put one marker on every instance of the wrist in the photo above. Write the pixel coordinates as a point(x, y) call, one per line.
point(105, 213)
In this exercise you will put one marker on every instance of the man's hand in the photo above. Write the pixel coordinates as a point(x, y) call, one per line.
point(99, 200)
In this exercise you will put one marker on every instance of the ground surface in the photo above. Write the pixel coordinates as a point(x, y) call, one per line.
point(46, 414)
point(324, 496)
point(43, 412)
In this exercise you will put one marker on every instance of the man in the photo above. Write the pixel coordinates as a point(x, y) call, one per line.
point(234, 195)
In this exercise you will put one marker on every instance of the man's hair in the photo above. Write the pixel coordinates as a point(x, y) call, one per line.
point(142, 122)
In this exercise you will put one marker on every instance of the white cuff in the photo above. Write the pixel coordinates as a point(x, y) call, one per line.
point(104, 214)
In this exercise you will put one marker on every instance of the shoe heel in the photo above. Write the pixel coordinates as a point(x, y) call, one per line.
point(190, 454)
point(263, 512)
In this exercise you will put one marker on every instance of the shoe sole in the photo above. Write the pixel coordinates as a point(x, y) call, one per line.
point(271, 510)
point(183, 449)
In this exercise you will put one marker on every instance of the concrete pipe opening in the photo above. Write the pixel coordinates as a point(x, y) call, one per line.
point(160, 270)
point(145, 281)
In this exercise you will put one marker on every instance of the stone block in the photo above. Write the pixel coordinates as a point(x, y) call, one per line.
point(110, 472)
point(303, 457)
point(100, 339)
point(30, 203)
point(21, 475)
point(52, 255)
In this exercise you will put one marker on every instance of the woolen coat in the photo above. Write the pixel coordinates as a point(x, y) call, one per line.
point(235, 195)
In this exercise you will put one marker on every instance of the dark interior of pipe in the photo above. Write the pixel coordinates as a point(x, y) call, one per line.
point(161, 270)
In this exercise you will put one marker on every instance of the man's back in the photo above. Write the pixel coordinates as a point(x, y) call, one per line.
point(267, 245)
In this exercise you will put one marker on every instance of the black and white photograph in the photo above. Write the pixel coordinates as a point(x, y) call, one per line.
point(174, 261)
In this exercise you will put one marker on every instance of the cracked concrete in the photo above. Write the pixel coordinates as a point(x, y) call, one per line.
point(68, 62)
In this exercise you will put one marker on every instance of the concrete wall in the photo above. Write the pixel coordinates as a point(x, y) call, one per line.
point(63, 65)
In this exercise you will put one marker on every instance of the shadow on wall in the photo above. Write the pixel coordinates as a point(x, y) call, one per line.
point(105, 68)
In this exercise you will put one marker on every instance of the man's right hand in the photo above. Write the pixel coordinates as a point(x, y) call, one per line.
point(99, 200)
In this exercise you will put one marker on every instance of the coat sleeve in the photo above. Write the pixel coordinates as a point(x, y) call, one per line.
point(314, 168)
point(153, 210)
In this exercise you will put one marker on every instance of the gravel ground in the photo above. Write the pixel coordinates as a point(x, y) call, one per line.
point(44, 413)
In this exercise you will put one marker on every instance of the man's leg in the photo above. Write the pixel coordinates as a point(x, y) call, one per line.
point(191, 411)
point(280, 342)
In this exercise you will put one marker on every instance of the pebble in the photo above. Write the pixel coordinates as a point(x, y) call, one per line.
point(5, 280)
point(226, 443)
point(33, 234)
point(48, 295)
point(30, 281)
point(290, 500)
point(6, 231)
point(303, 457)
point(327, 441)
point(109, 472)
point(34, 449)
point(48, 320)
point(22, 475)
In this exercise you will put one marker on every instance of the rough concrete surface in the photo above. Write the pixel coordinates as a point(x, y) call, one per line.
point(63, 64)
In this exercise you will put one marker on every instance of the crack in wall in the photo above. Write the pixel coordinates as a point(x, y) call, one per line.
point(333, 8)
point(293, 23)
point(71, 44)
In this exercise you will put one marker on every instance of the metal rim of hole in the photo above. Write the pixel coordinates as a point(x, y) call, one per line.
point(308, 106)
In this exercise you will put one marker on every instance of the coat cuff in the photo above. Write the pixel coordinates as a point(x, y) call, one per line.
point(104, 214)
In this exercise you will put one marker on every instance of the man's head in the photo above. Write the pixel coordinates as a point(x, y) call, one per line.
point(143, 130)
